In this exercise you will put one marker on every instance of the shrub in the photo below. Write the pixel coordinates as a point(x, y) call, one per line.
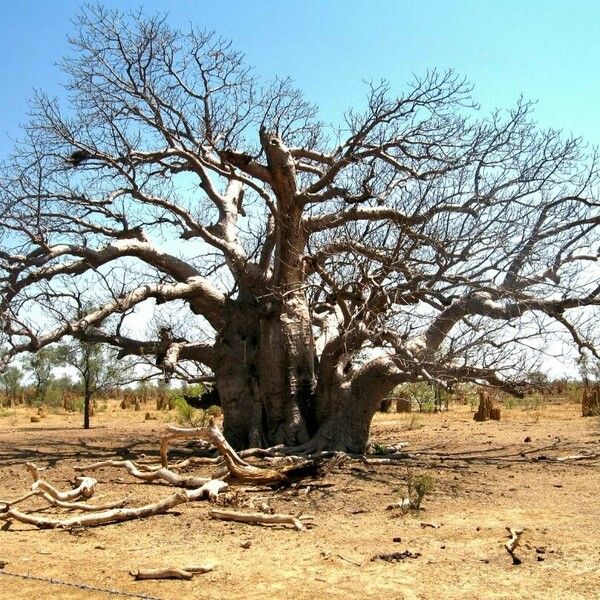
point(414, 422)
point(417, 488)
point(380, 449)
point(190, 416)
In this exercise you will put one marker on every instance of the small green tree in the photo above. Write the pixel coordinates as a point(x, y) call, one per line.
point(10, 380)
point(99, 369)
point(538, 379)
point(40, 365)
point(589, 368)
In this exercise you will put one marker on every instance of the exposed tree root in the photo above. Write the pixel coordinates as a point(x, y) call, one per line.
point(238, 468)
point(300, 522)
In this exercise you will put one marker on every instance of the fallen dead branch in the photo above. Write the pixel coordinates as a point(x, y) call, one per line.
point(171, 572)
point(85, 489)
point(165, 573)
point(158, 474)
point(208, 490)
point(300, 522)
point(55, 497)
point(17, 500)
point(513, 543)
point(577, 457)
point(68, 505)
point(294, 470)
point(238, 468)
point(83, 505)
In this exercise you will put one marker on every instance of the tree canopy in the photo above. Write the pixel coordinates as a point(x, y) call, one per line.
point(307, 268)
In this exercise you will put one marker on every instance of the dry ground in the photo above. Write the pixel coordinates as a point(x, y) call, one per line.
point(486, 477)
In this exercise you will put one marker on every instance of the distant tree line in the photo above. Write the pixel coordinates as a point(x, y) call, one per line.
point(80, 376)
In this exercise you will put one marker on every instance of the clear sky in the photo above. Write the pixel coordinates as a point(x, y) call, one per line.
point(548, 50)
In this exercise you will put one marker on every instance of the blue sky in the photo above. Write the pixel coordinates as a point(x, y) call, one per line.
point(548, 51)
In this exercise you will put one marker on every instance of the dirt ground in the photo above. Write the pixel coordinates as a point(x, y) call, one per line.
point(487, 478)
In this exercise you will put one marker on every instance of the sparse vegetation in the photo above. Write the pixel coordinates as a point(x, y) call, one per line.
point(380, 449)
point(428, 397)
point(193, 417)
point(417, 487)
point(414, 422)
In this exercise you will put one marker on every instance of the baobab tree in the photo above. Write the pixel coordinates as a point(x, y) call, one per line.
point(309, 268)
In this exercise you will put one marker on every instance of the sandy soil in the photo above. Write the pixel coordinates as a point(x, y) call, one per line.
point(486, 479)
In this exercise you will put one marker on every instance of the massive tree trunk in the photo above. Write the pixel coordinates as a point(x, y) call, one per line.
point(265, 372)
point(267, 382)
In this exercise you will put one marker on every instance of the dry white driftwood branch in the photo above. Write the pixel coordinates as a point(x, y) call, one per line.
point(163, 573)
point(513, 543)
point(172, 572)
point(158, 474)
point(85, 489)
point(83, 505)
point(577, 457)
point(208, 490)
point(6, 503)
point(300, 522)
point(53, 496)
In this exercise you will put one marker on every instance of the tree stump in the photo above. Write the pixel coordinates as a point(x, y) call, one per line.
point(403, 405)
point(486, 409)
point(590, 402)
